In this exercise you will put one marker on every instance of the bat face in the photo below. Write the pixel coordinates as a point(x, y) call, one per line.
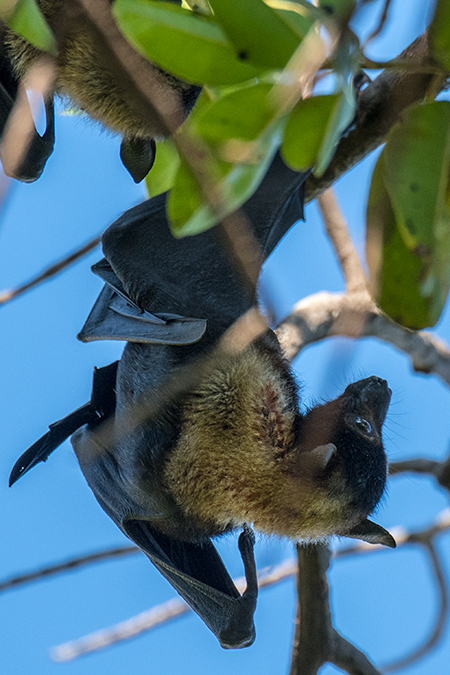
point(355, 470)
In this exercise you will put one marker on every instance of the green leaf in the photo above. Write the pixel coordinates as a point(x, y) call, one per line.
point(416, 174)
point(241, 114)
point(314, 129)
point(395, 272)
point(163, 172)
point(416, 171)
point(306, 129)
point(341, 116)
point(189, 45)
point(257, 32)
point(297, 18)
point(199, 6)
point(27, 20)
point(409, 217)
point(439, 33)
point(189, 212)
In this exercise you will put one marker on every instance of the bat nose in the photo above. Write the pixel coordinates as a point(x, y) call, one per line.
point(381, 384)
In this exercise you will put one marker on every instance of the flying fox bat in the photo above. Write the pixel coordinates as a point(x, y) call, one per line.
point(90, 79)
point(175, 460)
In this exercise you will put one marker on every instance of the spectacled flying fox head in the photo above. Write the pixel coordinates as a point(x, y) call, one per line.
point(343, 440)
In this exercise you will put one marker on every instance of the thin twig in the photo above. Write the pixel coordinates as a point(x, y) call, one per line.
point(165, 612)
point(11, 293)
point(337, 230)
point(436, 633)
point(381, 23)
point(417, 465)
point(440, 470)
point(73, 563)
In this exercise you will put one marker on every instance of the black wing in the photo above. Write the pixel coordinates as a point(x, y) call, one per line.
point(193, 568)
point(101, 406)
point(198, 574)
point(31, 166)
point(192, 278)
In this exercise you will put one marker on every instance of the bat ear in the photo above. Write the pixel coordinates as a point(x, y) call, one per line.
point(317, 459)
point(372, 533)
point(138, 156)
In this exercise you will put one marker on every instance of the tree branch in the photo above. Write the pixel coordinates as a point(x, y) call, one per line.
point(436, 633)
point(440, 470)
point(313, 629)
point(355, 315)
point(11, 293)
point(336, 227)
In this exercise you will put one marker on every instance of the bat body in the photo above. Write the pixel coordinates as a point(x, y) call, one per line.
point(86, 75)
point(190, 439)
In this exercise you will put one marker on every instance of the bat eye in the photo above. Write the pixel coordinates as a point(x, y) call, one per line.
point(363, 424)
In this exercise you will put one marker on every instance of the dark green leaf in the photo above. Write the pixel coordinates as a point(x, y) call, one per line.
point(341, 116)
point(28, 21)
point(189, 45)
point(416, 170)
point(257, 32)
point(298, 18)
point(306, 129)
point(439, 33)
point(396, 273)
point(416, 175)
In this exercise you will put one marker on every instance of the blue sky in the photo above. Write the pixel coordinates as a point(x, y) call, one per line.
point(384, 602)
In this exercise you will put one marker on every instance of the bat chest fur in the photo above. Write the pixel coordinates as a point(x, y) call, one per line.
point(229, 465)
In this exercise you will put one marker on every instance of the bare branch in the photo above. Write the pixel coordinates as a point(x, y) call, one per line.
point(418, 465)
point(167, 611)
point(313, 629)
point(440, 470)
point(121, 631)
point(73, 563)
point(355, 315)
point(316, 641)
point(49, 272)
point(351, 659)
point(336, 227)
point(436, 634)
